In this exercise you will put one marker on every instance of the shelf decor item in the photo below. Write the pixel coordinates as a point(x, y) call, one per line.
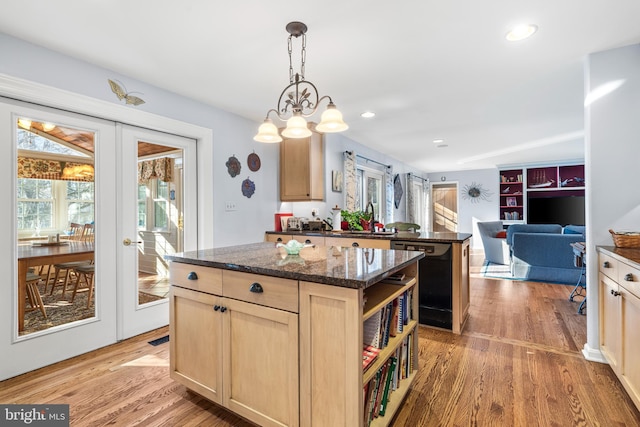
point(511, 201)
point(299, 100)
point(625, 239)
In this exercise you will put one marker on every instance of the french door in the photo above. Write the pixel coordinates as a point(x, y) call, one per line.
point(92, 182)
point(42, 190)
point(156, 217)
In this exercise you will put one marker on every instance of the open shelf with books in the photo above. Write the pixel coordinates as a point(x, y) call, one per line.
point(512, 195)
point(348, 349)
point(390, 325)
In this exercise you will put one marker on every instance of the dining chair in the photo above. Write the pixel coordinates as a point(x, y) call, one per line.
point(33, 293)
point(85, 274)
point(76, 231)
point(65, 272)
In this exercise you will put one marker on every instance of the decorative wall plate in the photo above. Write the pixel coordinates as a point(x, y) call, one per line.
point(253, 161)
point(248, 188)
point(397, 190)
point(233, 166)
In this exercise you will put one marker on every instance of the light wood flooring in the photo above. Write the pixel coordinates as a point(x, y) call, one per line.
point(518, 363)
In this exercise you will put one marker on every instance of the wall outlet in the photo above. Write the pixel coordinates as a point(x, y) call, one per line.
point(230, 206)
point(314, 212)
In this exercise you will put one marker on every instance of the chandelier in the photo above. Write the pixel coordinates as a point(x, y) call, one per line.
point(299, 100)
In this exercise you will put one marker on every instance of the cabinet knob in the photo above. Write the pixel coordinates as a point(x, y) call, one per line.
point(606, 264)
point(355, 244)
point(223, 309)
point(216, 307)
point(615, 293)
point(256, 288)
point(192, 276)
point(628, 277)
point(279, 239)
point(308, 242)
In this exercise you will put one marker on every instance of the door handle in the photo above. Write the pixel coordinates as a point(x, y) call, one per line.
point(127, 242)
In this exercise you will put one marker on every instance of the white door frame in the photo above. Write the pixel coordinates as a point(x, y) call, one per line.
point(23, 90)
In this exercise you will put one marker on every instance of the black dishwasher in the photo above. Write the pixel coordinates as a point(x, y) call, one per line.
point(435, 282)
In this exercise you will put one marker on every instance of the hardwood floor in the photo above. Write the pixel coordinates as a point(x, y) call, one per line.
point(518, 363)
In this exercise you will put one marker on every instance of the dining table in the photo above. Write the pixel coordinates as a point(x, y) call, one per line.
point(32, 254)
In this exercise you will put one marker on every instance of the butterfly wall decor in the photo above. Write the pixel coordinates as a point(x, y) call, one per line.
point(121, 93)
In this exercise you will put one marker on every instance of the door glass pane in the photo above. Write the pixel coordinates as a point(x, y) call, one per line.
point(55, 220)
point(159, 217)
point(445, 207)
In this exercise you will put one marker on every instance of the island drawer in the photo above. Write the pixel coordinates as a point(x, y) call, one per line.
point(629, 278)
point(264, 290)
point(608, 266)
point(196, 277)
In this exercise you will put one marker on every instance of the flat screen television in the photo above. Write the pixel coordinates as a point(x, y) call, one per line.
point(560, 209)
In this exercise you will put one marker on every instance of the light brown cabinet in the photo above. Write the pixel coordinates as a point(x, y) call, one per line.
point(219, 342)
point(302, 169)
point(619, 290)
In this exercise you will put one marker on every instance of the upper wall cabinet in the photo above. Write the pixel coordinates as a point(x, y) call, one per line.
point(302, 169)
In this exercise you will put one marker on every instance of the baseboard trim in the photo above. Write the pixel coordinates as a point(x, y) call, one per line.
point(593, 354)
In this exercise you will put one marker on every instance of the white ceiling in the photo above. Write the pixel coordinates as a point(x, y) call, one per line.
point(429, 69)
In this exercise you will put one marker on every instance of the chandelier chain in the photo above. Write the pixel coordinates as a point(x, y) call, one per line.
point(303, 56)
point(290, 63)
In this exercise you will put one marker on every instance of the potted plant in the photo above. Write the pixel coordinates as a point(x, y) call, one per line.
point(357, 220)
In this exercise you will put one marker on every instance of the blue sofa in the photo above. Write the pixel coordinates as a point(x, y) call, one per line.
point(542, 252)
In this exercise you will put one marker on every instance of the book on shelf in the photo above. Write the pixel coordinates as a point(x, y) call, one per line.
point(371, 330)
point(394, 318)
point(369, 354)
point(387, 385)
point(384, 370)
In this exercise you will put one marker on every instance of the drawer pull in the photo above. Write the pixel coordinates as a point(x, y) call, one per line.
point(615, 293)
point(223, 309)
point(279, 239)
point(216, 307)
point(256, 288)
point(355, 244)
point(628, 277)
point(192, 276)
point(308, 242)
point(606, 264)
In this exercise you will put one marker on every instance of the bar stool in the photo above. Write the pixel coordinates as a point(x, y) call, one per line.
point(33, 294)
point(85, 272)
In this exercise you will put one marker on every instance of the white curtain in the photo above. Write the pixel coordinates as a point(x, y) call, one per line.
point(350, 177)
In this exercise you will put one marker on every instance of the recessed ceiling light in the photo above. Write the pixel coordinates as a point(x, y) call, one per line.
point(368, 114)
point(521, 32)
point(438, 141)
point(442, 145)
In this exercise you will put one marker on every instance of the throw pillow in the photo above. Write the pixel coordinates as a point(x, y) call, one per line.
point(501, 234)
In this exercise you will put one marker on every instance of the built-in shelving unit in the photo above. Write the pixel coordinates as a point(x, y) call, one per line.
point(519, 184)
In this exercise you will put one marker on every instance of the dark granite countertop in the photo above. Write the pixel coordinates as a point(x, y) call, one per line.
point(631, 255)
point(345, 267)
point(403, 236)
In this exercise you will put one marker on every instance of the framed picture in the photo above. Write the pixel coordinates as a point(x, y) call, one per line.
point(336, 181)
point(511, 201)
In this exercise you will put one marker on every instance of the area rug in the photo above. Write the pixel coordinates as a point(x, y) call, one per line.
point(497, 271)
point(60, 309)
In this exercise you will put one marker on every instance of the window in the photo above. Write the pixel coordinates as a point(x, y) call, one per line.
point(35, 204)
point(153, 206)
point(80, 205)
point(370, 189)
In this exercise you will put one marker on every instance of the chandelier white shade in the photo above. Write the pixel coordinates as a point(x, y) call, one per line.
point(299, 100)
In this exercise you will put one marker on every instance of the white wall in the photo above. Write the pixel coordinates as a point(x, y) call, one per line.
point(612, 154)
point(471, 212)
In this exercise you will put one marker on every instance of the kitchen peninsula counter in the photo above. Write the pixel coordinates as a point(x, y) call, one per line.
point(431, 237)
point(278, 338)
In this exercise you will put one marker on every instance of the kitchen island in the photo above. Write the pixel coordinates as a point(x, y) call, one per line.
point(444, 278)
point(279, 338)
